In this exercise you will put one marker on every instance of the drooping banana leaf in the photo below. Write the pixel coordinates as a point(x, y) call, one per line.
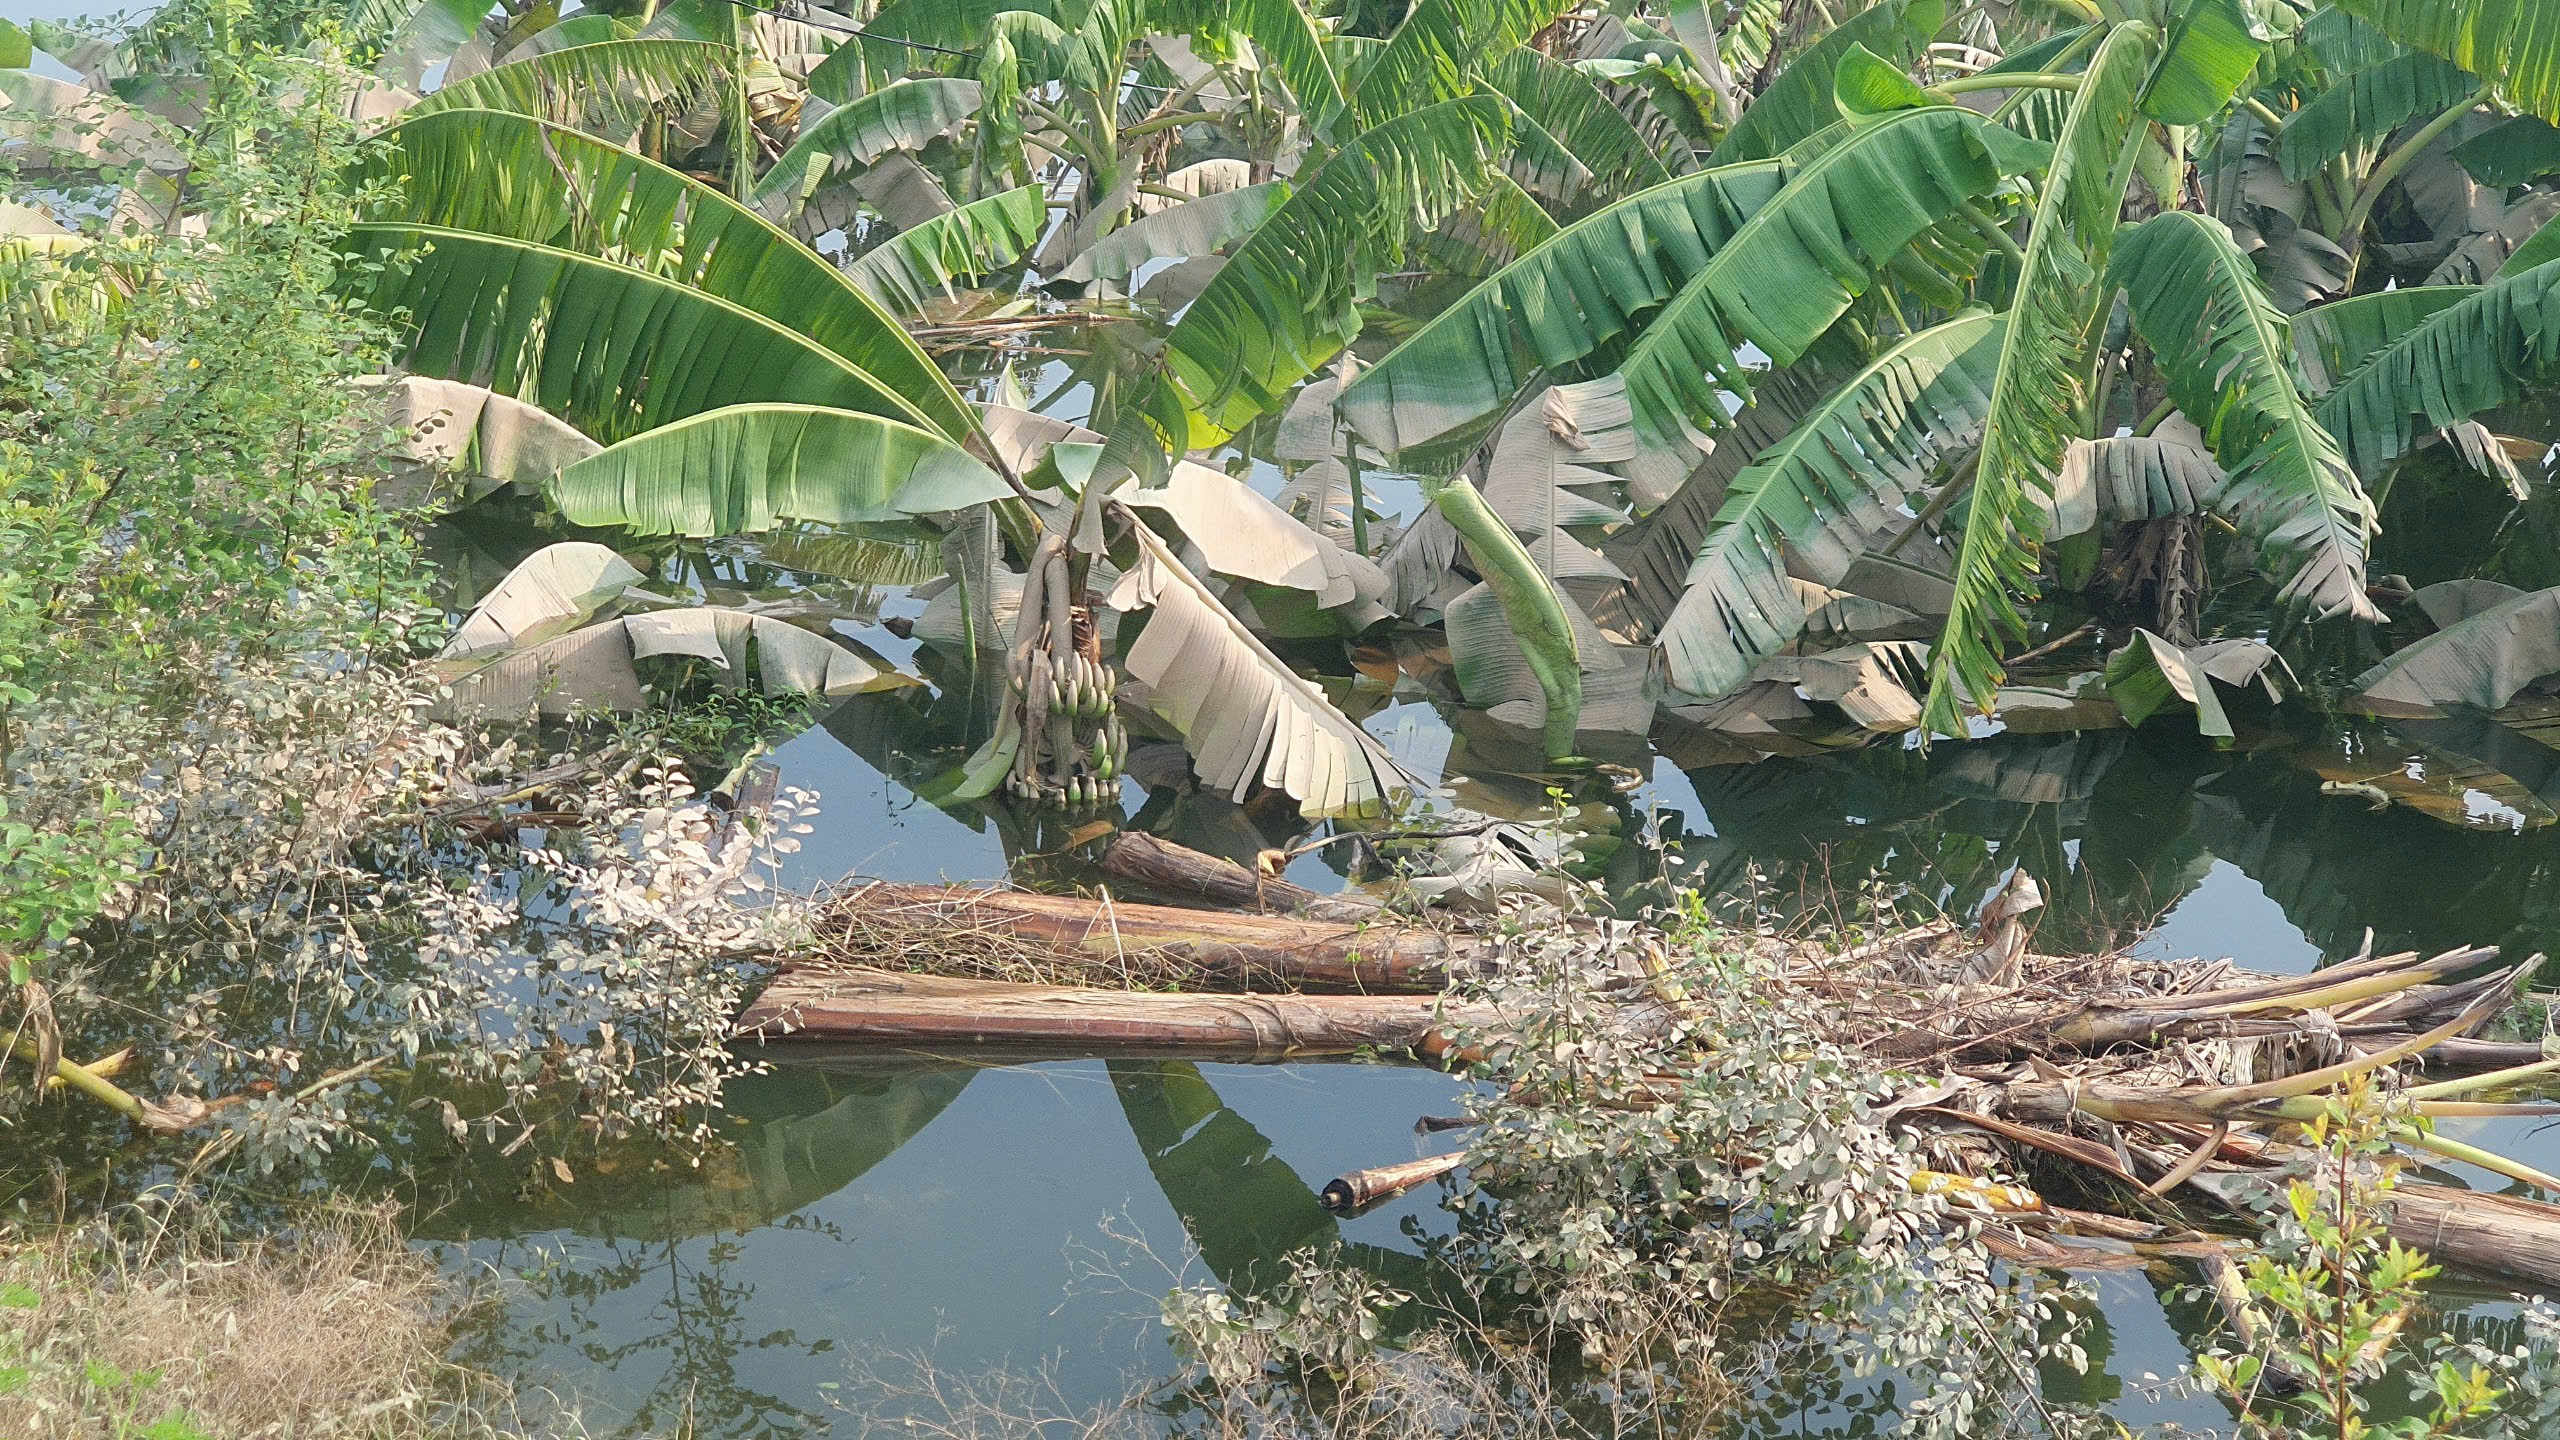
point(2150, 673)
point(1554, 305)
point(2513, 42)
point(1847, 466)
point(2479, 663)
point(2332, 342)
point(2479, 351)
point(611, 350)
point(1770, 253)
point(50, 126)
point(1543, 483)
point(2128, 478)
point(1801, 101)
point(1871, 682)
point(1193, 227)
point(1500, 225)
point(1284, 35)
point(1566, 105)
point(2541, 248)
point(2036, 397)
point(1801, 260)
point(414, 36)
point(2484, 254)
point(937, 33)
point(596, 668)
point(1659, 551)
point(2513, 152)
point(1417, 564)
point(902, 116)
point(1695, 29)
point(494, 440)
point(1494, 672)
point(1235, 529)
point(2227, 358)
point(740, 469)
point(1282, 305)
point(1312, 447)
point(550, 592)
point(526, 179)
point(1544, 479)
point(609, 87)
point(1244, 716)
point(2211, 49)
point(905, 271)
point(1545, 170)
point(2361, 110)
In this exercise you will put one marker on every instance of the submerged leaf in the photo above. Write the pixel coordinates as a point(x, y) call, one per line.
point(2479, 662)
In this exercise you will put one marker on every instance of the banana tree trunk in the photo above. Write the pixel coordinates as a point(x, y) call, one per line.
point(1528, 602)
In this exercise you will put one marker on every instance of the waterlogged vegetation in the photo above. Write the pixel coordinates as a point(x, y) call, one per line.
point(1657, 503)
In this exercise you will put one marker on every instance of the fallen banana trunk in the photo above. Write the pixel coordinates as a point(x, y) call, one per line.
point(860, 1005)
point(1160, 867)
point(1008, 933)
point(1356, 1188)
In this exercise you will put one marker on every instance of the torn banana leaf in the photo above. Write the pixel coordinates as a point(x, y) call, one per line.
point(2130, 478)
point(492, 440)
point(555, 589)
point(2149, 673)
point(1870, 683)
point(597, 668)
point(1246, 717)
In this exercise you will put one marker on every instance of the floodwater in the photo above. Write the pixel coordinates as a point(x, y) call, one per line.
point(984, 1218)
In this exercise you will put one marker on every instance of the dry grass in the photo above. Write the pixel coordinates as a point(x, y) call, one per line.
point(341, 1332)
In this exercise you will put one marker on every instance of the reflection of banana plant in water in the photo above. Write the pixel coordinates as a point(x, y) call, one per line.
point(810, 1132)
point(1242, 1205)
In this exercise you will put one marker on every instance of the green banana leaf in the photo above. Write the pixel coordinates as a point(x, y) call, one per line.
point(2036, 398)
point(1283, 303)
point(611, 350)
point(2474, 354)
point(610, 86)
point(1801, 101)
point(902, 116)
point(2362, 110)
point(2227, 357)
point(908, 269)
point(742, 468)
point(2513, 42)
point(527, 179)
point(1846, 468)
